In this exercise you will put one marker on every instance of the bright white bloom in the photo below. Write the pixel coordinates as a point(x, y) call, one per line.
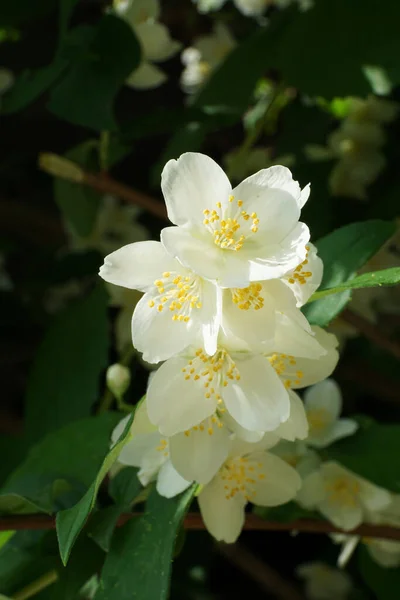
point(177, 305)
point(233, 237)
point(323, 403)
point(323, 582)
point(341, 496)
point(204, 56)
point(267, 311)
point(298, 455)
point(249, 475)
point(205, 6)
point(149, 451)
point(253, 388)
point(155, 41)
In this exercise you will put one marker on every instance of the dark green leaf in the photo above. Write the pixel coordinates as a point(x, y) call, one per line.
point(79, 204)
point(64, 381)
point(138, 565)
point(384, 582)
point(370, 453)
point(373, 279)
point(70, 522)
point(124, 489)
point(344, 252)
point(86, 95)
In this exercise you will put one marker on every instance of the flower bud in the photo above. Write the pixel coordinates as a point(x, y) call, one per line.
point(60, 167)
point(118, 379)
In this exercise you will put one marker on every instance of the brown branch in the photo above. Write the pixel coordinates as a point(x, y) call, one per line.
point(194, 521)
point(267, 578)
point(371, 332)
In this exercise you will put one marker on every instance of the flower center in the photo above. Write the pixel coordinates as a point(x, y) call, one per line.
point(163, 447)
point(240, 476)
point(285, 367)
point(213, 372)
point(178, 293)
point(208, 424)
point(230, 226)
point(249, 297)
point(300, 275)
point(343, 491)
point(318, 419)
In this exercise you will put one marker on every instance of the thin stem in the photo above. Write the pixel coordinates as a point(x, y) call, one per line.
point(37, 586)
point(193, 521)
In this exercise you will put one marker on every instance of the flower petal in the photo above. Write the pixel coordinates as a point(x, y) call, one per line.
point(157, 45)
point(197, 454)
point(326, 396)
point(296, 426)
point(312, 492)
point(340, 429)
point(137, 265)
point(294, 336)
point(174, 403)
point(192, 184)
point(280, 483)
point(275, 178)
point(304, 282)
point(259, 401)
point(169, 482)
point(373, 497)
point(224, 518)
point(146, 77)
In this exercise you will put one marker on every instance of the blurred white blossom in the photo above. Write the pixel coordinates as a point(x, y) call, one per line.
point(323, 582)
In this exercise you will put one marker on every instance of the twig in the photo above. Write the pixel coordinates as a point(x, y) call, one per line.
point(268, 579)
point(371, 332)
point(194, 521)
point(37, 586)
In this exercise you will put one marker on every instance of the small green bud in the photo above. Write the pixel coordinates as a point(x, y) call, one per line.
point(118, 379)
point(60, 167)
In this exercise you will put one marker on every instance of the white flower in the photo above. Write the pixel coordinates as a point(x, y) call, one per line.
point(252, 8)
point(298, 455)
point(253, 388)
point(386, 552)
point(323, 582)
point(306, 277)
point(149, 451)
point(341, 496)
point(155, 41)
point(249, 475)
point(233, 237)
point(323, 403)
point(177, 304)
point(205, 6)
point(204, 56)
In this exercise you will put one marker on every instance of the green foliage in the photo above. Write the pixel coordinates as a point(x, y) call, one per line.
point(343, 252)
point(373, 279)
point(70, 521)
point(139, 562)
point(383, 582)
point(64, 381)
point(86, 95)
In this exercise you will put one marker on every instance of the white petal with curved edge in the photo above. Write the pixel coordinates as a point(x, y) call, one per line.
point(296, 426)
point(198, 254)
point(157, 45)
point(174, 403)
point(224, 518)
point(325, 396)
point(239, 431)
point(157, 335)
point(374, 498)
point(191, 184)
point(293, 336)
point(151, 463)
point(312, 492)
point(197, 455)
point(276, 177)
point(346, 518)
point(137, 265)
point(259, 400)
point(280, 484)
point(303, 291)
point(169, 482)
point(240, 447)
point(137, 11)
point(146, 77)
point(338, 430)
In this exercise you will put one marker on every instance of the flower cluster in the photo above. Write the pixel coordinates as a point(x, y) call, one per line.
point(251, 8)
point(221, 308)
point(357, 146)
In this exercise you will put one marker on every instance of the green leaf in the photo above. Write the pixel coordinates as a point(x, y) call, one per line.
point(73, 453)
point(138, 565)
point(64, 381)
point(70, 522)
point(370, 453)
point(86, 94)
point(343, 253)
point(372, 279)
point(79, 204)
point(124, 489)
point(384, 582)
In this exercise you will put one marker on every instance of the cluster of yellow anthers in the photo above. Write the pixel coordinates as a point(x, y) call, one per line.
point(344, 491)
point(299, 275)
point(230, 232)
point(176, 293)
point(211, 423)
point(163, 447)
point(219, 367)
point(239, 474)
point(249, 297)
point(283, 365)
